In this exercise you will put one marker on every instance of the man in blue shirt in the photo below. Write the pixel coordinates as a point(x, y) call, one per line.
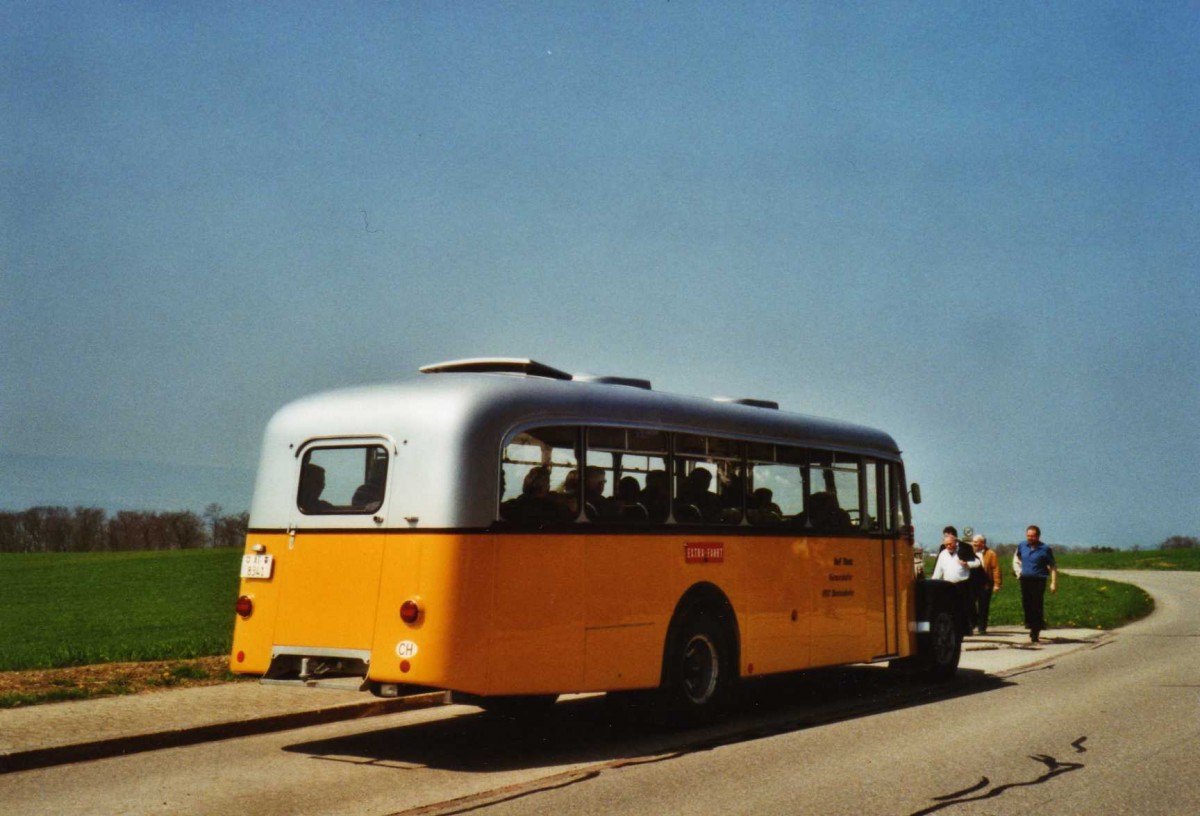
point(1034, 564)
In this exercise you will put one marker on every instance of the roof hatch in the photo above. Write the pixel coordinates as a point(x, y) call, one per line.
point(530, 368)
point(502, 365)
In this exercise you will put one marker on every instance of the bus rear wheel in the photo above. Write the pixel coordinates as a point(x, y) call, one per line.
point(697, 676)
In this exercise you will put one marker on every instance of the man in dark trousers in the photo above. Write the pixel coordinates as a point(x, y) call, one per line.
point(955, 563)
point(988, 582)
point(1034, 565)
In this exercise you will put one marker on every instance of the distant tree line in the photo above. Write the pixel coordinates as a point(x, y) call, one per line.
point(91, 529)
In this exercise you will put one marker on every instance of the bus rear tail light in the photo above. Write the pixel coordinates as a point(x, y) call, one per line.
point(244, 606)
point(410, 611)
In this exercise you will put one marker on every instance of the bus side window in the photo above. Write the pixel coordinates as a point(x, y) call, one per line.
point(709, 487)
point(832, 503)
point(873, 487)
point(892, 509)
point(539, 477)
point(776, 486)
point(847, 471)
point(627, 469)
point(645, 461)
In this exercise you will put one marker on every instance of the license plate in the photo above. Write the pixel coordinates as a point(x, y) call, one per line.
point(257, 566)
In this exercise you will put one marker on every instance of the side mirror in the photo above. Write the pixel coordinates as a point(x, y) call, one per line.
point(915, 490)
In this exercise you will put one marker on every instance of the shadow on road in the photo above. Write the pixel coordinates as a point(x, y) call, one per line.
point(595, 729)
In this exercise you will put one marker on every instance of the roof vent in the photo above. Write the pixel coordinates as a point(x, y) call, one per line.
point(501, 365)
point(753, 403)
point(632, 382)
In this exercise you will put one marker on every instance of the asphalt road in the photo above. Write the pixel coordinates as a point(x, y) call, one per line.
point(1106, 730)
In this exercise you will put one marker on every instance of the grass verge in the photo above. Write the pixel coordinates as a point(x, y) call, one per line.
point(32, 687)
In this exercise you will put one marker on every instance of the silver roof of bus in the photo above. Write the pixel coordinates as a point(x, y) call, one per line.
point(455, 423)
point(503, 402)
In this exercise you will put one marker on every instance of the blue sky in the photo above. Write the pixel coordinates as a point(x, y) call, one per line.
point(973, 225)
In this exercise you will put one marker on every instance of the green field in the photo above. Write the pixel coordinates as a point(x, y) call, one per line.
point(71, 609)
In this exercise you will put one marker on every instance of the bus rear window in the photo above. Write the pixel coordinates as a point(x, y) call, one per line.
point(342, 480)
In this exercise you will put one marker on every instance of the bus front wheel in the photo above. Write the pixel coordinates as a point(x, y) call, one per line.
point(944, 647)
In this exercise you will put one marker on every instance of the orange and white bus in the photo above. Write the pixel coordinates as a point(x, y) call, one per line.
point(510, 532)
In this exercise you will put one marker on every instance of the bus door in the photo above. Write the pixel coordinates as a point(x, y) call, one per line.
point(880, 497)
point(854, 582)
point(890, 643)
point(328, 575)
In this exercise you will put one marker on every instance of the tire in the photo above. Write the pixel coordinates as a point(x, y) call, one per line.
point(943, 646)
point(517, 706)
point(698, 671)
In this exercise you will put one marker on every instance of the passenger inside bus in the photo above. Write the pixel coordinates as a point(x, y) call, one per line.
point(696, 503)
point(312, 485)
point(824, 513)
point(763, 510)
point(369, 495)
point(731, 499)
point(567, 493)
point(629, 500)
point(598, 506)
point(535, 505)
point(656, 495)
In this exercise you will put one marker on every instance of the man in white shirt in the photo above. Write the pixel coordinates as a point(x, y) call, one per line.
point(954, 564)
point(950, 565)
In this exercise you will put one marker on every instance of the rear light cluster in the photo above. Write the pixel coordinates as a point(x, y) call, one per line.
point(244, 606)
point(410, 611)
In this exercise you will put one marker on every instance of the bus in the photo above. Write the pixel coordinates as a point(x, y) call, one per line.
point(509, 532)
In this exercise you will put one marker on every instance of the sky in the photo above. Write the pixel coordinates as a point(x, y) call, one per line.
point(973, 225)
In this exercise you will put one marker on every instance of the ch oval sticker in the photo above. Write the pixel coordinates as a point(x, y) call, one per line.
point(406, 649)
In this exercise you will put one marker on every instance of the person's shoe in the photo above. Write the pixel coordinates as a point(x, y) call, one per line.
point(1033, 636)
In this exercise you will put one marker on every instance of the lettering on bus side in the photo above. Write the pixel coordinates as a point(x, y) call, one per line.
point(839, 578)
point(704, 552)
